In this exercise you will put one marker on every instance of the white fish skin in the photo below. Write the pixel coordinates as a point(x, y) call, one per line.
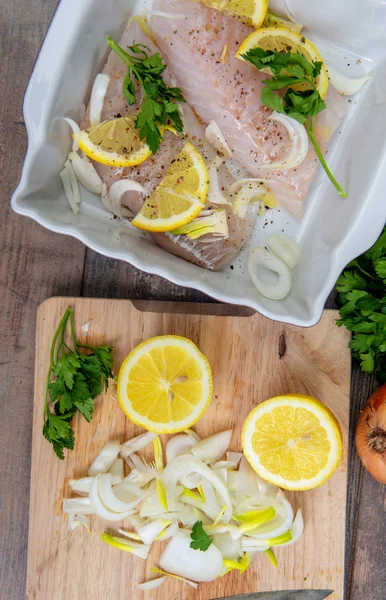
point(214, 254)
point(230, 93)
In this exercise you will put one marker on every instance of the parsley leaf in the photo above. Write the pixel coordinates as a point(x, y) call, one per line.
point(289, 69)
point(200, 539)
point(78, 380)
point(158, 107)
point(362, 297)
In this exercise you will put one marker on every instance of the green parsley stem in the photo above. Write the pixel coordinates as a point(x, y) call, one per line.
point(74, 340)
point(59, 330)
point(323, 162)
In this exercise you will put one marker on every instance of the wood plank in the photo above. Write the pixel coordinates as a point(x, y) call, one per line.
point(252, 358)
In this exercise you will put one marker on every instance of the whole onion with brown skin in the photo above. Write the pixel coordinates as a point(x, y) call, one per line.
point(370, 435)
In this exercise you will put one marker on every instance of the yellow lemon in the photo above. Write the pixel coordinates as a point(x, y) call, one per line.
point(165, 384)
point(293, 441)
point(251, 12)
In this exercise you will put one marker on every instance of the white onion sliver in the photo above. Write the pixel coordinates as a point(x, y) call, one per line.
point(119, 188)
point(81, 506)
point(105, 198)
point(75, 130)
point(212, 448)
point(117, 471)
point(234, 457)
point(152, 584)
point(149, 532)
point(86, 326)
point(216, 139)
point(68, 189)
point(137, 443)
point(285, 248)
point(177, 445)
point(100, 509)
point(296, 529)
point(102, 463)
point(215, 195)
point(298, 138)
point(81, 486)
point(346, 85)
point(235, 169)
point(97, 99)
point(260, 258)
point(86, 173)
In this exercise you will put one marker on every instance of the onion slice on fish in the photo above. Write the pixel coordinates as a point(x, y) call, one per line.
point(216, 139)
point(86, 173)
point(346, 85)
point(75, 130)
point(119, 189)
point(298, 139)
point(246, 191)
point(261, 259)
point(71, 187)
point(97, 99)
point(215, 194)
point(285, 248)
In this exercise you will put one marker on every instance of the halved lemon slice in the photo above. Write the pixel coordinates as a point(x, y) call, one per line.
point(180, 197)
point(251, 12)
point(281, 39)
point(293, 441)
point(115, 143)
point(165, 384)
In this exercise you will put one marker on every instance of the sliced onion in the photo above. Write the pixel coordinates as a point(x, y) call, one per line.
point(180, 559)
point(97, 99)
point(80, 506)
point(285, 248)
point(117, 471)
point(215, 195)
point(186, 465)
point(103, 462)
point(212, 448)
point(111, 500)
point(86, 326)
point(105, 197)
point(189, 515)
point(191, 583)
point(152, 584)
point(75, 521)
point(260, 258)
point(216, 139)
point(230, 549)
point(346, 85)
point(296, 529)
point(119, 188)
point(86, 173)
point(137, 443)
point(224, 464)
point(81, 486)
point(169, 531)
point(140, 550)
point(177, 445)
point(71, 188)
point(100, 509)
point(235, 169)
point(298, 138)
point(250, 189)
point(149, 532)
point(192, 434)
point(234, 458)
point(75, 130)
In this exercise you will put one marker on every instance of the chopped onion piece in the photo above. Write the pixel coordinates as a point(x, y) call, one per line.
point(285, 248)
point(235, 169)
point(97, 99)
point(149, 532)
point(212, 448)
point(80, 506)
point(260, 258)
point(192, 434)
point(102, 463)
point(130, 534)
point(140, 550)
point(119, 189)
point(152, 584)
point(247, 190)
point(180, 559)
point(71, 188)
point(296, 529)
point(117, 471)
point(111, 500)
point(179, 444)
point(105, 197)
point(75, 521)
point(169, 531)
point(223, 464)
point(234, 458)
point(214, 223)
point(346, 85)
point(230, 549)
point(216, 139)
point(298, 138)
point(100, 509)
point(86, 173)
point(81, 486)
point(192, 583)
point(137, 443)
point(215, 194)
point(86, 326)
point(75, 130)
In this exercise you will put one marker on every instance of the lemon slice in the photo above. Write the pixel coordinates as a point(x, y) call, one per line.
point(281, 39)
point(180, 197)
point(165, 384)
point(115, 143)
point(251, 12)
point(293, 441)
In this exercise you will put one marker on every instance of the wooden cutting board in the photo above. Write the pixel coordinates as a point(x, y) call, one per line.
point(252, 359)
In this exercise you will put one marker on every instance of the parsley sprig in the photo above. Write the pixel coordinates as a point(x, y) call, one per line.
point(200, 539)
point(362, 296)
point(73, 381)
point(290, 69)
point(158, 107)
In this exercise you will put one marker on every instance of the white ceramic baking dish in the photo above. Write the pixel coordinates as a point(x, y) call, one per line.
point(333, 230)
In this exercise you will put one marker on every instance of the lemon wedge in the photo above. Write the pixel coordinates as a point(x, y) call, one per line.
point(293, 441)
point(180, 196)
point(251, 12)
point(281, 39)
point(165, 384)
point(115, 143)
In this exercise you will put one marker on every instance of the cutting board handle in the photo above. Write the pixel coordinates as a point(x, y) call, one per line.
point(193, 308)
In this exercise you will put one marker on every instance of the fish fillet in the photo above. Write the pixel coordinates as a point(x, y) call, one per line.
point(207, 251)
point(192, 38)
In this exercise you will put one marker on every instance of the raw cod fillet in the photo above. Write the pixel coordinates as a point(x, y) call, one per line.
point(192, 38)
point(207, 251)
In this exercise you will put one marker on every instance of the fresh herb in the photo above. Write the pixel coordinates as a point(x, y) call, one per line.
point(289, 69)
point(362, 296)
point(158, 107)
point(73, 381)
point(200, 539)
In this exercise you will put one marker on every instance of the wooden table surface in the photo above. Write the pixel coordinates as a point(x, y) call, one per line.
point(36, 264)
